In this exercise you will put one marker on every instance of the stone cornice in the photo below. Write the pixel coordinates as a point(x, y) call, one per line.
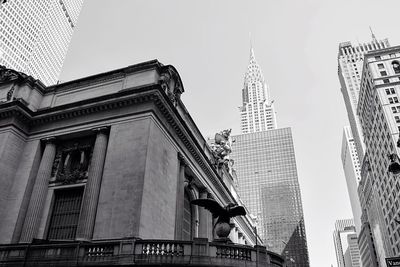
point(106, 76)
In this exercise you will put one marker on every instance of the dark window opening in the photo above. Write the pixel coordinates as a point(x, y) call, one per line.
point(65, 214)
point(187, 229)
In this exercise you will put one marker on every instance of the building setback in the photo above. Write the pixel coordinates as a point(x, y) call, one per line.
point(35, 36)
point(268, 184)
point(346, 244)
point(378, 110)
point(102, 170)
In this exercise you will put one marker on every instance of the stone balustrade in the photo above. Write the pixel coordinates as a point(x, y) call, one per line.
point(198, 252)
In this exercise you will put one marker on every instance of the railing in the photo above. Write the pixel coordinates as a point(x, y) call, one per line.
point(198, 252)
point(161, 248)
point(233, 252)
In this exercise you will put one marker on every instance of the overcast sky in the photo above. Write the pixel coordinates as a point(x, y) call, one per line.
point(296, 44)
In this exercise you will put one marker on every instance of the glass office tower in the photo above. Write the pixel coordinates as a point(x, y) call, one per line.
point(268, 184)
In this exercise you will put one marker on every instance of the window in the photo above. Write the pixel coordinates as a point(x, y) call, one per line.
point(392, 91)
point(394, 110)
point(187, 218)
point(397, 118)
point(386, 81)
point(378, 58)
point(381, 66)
point(387, 91)
point(383, 73)
point(65, 214)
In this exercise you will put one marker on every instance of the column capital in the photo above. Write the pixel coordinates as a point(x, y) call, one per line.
point(182, 159)
point(49, 140)
point(203, 191)
point(101, 129)
point(188, 181)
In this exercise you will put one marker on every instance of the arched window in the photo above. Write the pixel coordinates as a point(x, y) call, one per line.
point(187, 227)
point(396, 66)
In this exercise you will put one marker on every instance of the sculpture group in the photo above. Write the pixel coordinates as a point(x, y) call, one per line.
point(222, 147)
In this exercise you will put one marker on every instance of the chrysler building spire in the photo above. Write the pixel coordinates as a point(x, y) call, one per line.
point(257, 111)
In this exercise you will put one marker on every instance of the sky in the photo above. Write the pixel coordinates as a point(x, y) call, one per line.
point(296, 45)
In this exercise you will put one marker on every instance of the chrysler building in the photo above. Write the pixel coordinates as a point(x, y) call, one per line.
point(257, 111)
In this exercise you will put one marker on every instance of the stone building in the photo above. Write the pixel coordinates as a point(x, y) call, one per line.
point(101, 170)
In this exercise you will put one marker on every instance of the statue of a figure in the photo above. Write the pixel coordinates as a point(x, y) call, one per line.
point(224, 214)
point(223, 147)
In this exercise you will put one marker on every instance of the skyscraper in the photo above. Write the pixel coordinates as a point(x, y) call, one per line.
point(35, 36)
point(257, 111)
point(346, 245)
point(350, 67)
point(352, 172)
point(350, 62)
point(378, 109)
point(267, 176)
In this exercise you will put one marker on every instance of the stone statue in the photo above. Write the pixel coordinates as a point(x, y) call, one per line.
point(222, 227)
point(222, 147)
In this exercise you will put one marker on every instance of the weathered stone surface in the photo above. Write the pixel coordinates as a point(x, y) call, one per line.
point(159, 192)
point(118, 210)
point(20, 192)
point(11, 147)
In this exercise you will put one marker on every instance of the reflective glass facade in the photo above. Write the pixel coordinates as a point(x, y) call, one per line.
point(266, 168)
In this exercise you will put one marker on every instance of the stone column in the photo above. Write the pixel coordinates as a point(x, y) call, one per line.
point(180, 196)
point(92, 188)
point(39, 192)
point(204, 217)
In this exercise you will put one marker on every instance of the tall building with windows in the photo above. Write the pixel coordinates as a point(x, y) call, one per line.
point(350, 63)
point(257, 111)
point(34, 36)
point(350, 67)
point(378, 109)
point(346, 244)
point(352, 172)
point(266, 171)
point(268, 185)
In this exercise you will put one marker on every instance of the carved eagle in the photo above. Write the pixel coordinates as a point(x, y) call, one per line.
point(222, 213)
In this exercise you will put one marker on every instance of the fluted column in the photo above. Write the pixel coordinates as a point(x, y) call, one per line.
point(204, 217)
point(180, 197)
point(92, 188)
point(39, 192)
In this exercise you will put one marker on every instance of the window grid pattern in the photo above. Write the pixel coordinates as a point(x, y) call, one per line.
point(265, 165)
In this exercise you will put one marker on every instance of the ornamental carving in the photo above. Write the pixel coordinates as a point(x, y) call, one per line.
point(72, 161)
point(171, 84)
point(222, 148)
point(10, 75)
